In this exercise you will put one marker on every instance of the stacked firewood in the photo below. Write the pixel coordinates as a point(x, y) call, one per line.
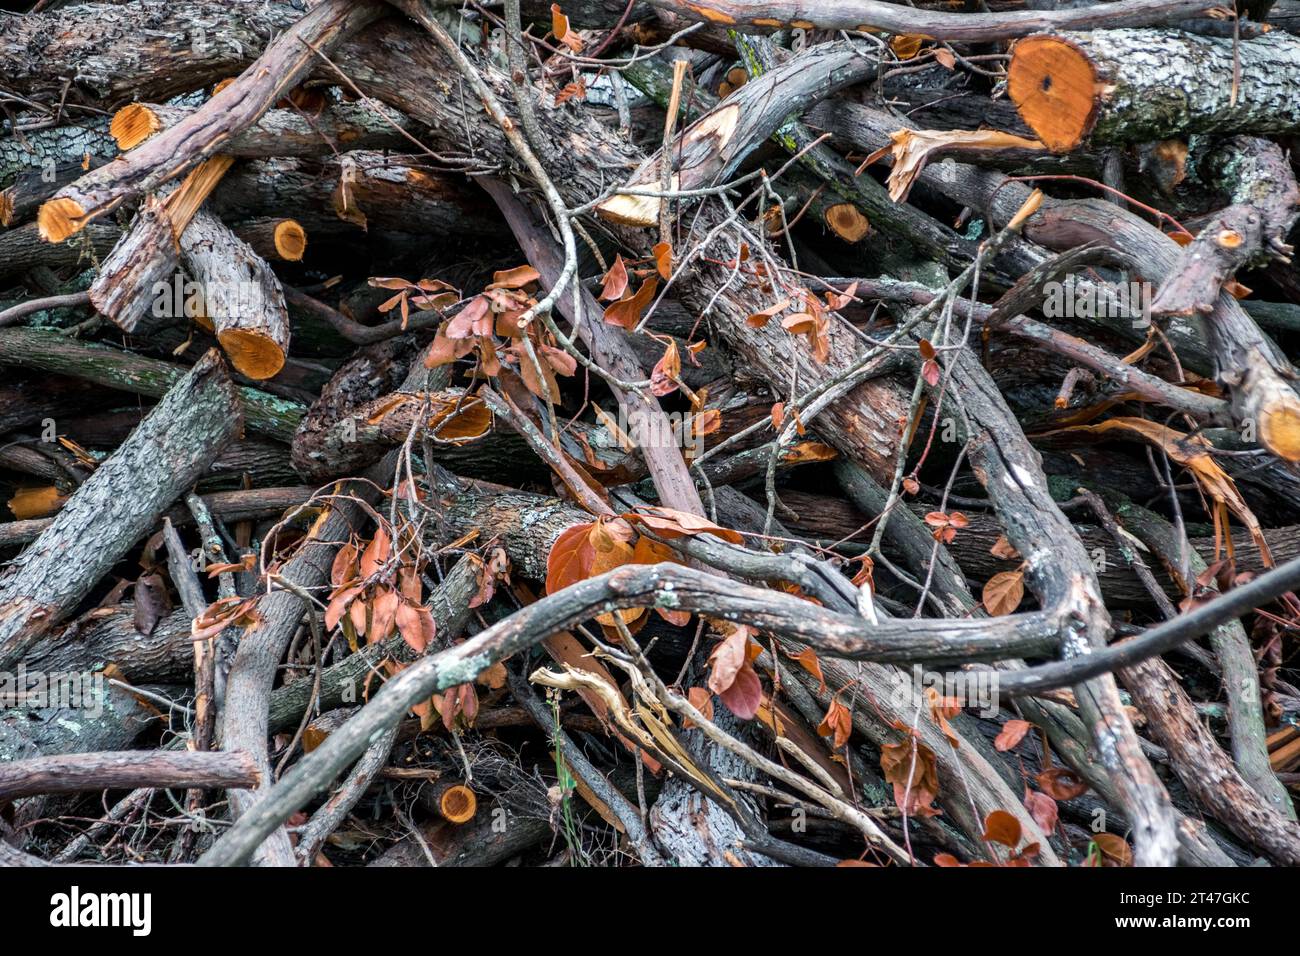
point(649, 432)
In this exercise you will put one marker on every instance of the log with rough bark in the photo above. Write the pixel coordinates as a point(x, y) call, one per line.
point(242, 297)
point(107, 770)
point(109, 512)
point(133, 283)
point(1123, 86)
point(768, 15)
point(203, 133)
point(129, 372)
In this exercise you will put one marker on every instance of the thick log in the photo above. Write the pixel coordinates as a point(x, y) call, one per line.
point(21, 200)
point(55, 147)
point(111, 51)
point(204, 133)
point(769, 15)
point(124, 496)
point(133, 286)
point(109, 636)
point(242, 297)
point(113, 720)
point(142, 262)
point(73, 773)
point(280, 132)
point(284, 240)
point(21, 249)
point(386, 191)
point(1122, 86)
point(483, 843)
point(114, 368)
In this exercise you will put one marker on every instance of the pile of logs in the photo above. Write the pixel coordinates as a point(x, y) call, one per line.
point(649, 432)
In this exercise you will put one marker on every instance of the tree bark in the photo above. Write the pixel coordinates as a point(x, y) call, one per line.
point(124, 496)
point(72, 773)
point(1124, 86)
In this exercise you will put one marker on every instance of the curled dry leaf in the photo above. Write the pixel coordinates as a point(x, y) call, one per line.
point(727, 659)
point(1002, 827)
point(745, 695)
point(515, 278)
point(1114, 849)
point(1002, 549)
point(1043, 809)
point(1003, 592)
point(931, 372)
point(626, 312)
point(762, 316)
point(1061, 784)
point(837, 724)
point(667, 371)
point(570, 559)
point(945, 525)
point(376, 554)
point(1012, 732)
point(615, 283)
point(611, 550)
point(807, 659)
point(806, 452)
point(701, 700)
point(648, 551)
point(911, 768)
point(231, 611)
point(563, 32)
point(906, 45)
point(416, 625)
point(663, 254)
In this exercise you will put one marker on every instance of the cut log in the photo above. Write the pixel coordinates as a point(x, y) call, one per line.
point(385, 192)
point(127, 288)
point(21, 249)
point(203, 133)
point(280, 132)
point(284, 240)
point(109, 636)
point(1122, 86)
point(124, 496)
point(111, 53)
point(241, 297)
